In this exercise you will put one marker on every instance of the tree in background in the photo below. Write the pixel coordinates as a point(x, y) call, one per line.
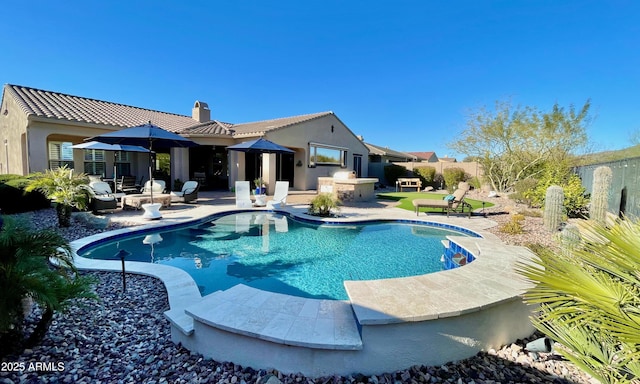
point(513, 143)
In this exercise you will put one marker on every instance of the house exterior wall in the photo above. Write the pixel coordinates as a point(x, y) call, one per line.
point(319, 130)
point(13, 125)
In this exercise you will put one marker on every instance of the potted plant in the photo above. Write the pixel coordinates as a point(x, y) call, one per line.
point(261, 187)
point(66, 189)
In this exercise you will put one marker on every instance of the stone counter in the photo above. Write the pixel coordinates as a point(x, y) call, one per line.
point(360, 189)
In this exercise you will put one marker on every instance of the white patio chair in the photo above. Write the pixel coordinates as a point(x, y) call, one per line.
point(243, 195)
point(158, 186)
point(279, 196)
point(188, 193)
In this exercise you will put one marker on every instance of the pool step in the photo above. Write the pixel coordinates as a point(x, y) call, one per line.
point(279, 318)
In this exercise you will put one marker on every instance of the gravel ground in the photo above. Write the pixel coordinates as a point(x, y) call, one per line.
point(124, 338)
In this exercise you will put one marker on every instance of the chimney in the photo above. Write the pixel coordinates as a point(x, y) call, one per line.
point(201, 112)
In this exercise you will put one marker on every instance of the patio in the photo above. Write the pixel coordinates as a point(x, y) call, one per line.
point(459, 311)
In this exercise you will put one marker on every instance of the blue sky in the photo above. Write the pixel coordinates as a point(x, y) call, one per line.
point(403, 74)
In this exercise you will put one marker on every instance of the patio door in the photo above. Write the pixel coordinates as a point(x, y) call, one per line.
point(357, 165)
point(284, 167)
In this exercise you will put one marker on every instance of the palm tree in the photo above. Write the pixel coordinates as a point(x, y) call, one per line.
point(589, 298)
point(34, 266)
point(66, 189)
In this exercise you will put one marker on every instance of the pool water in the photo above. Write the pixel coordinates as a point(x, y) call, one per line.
point(276, 253)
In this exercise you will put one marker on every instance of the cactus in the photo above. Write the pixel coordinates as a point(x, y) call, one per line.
point(569, 238)
point(602, 177)
point(553, 208)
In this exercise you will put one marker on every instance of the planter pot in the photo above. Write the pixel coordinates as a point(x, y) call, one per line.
point(261, 191)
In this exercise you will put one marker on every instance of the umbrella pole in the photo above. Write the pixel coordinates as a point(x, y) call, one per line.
point(115, 178)
point(150, 171)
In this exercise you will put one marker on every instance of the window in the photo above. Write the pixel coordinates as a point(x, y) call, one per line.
point(322, 154)
point(94, 162)
point(123, 163)
point(60, 154)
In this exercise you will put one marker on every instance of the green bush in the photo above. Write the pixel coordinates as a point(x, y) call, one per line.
point(13, 198)
point(323, 204)
point(521, 189)
point(392, 172)
point(575, 201)
point(453, 176)
point(475, 183)
point(427, 175)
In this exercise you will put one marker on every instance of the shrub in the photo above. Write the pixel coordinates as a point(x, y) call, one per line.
point(453, 176)
point(14, 199)
point(575, 201)
point(322, 205)
point(475, 183)
point(392, 172)
point(426, 174)
point(521, 187)
point(514, 226)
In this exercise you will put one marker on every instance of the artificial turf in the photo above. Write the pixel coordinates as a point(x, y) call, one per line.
point(405, 199)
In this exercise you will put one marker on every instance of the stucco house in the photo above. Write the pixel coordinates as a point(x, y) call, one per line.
point(38, 127)
point(429, 157)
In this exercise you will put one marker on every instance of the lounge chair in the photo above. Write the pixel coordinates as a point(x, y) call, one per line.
point(447, 205)
point(243, 195)
point(279, 196)
point(188, 193)
point(101, 202)
point(158, 186)
point(102, 188)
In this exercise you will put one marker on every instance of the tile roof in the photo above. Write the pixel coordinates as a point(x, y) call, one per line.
point(383, 151)
point(56, 105)
point(260, 127)
point(61, 106)
point(213, 127)
point(423, 155)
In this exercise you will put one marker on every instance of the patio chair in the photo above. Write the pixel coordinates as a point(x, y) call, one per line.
point(188, 193)
point(102, 188)
point(101, 202)
point(279, 196)
point(457, 202)
point(158, 186)
point(243, 195)
point(127, 184)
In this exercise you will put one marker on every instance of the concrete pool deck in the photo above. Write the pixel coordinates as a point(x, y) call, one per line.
point(386, 325)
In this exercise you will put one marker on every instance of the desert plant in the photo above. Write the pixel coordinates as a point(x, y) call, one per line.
point(26, 273)
point(67, 189)
point(553, 208)
point(514, 226)
point(453, 176)
point(323, 204)
point(589, 299)
point(599, 206)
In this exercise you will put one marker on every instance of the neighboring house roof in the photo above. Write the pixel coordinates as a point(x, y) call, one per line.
point(427, 156)
point(260, 127)
point(384, 151)
point(47, 104)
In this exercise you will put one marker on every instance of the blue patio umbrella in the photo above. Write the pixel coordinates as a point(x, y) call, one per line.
point(148, 136)
point(260, 146)
point(110, 147)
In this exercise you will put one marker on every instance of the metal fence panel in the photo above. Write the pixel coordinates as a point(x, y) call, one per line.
point(624, 193)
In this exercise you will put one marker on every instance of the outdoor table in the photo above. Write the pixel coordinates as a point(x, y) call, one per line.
point(136, 201)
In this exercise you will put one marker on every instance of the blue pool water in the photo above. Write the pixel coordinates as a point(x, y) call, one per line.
point(276, 253)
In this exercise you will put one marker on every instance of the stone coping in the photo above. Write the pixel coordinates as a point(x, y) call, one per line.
point(285, 319)
point(488, 281)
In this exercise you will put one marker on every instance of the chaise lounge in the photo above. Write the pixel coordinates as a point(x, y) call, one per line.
point(447, 205)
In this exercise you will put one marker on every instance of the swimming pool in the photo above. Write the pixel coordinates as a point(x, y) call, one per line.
point(276, 253)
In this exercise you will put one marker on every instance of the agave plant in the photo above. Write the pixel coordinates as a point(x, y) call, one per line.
point(34, 266)
point(589, 300)
point(64, 187)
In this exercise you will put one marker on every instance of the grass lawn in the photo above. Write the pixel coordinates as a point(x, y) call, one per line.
point(405, 199)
